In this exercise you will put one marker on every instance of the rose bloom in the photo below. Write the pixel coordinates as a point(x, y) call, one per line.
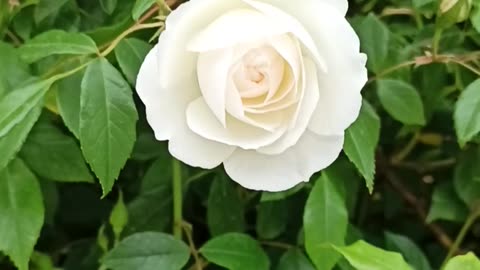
point(266, 87)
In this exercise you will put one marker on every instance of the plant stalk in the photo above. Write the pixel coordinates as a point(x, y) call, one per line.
point(177, 198)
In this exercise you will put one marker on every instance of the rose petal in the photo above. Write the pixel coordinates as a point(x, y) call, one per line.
point(165, 108)
point(201, 121)
point(280, 172)
point(280, 17)
point(340, 99)
point(306, 107)
point(176, 64)
point(196, 151)
point(212, 70)
point(233, 27)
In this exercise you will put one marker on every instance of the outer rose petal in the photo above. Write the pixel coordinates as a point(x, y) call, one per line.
point(337, 42)
point(311, 154)
point(198, 151)
point(176, 64)
point(202, 121)
point(165, 107)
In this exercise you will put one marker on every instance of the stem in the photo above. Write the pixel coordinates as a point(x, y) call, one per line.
point(436, 41)
point(188, 233)
point(393, 69)
point(461, 235)
point(127, 32)
point(177, 198)
point(277, 244)
point(406, 150)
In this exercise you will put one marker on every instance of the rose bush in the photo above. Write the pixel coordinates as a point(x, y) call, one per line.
point(265, 87)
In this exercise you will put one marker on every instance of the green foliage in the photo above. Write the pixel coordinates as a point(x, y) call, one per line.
point(364, 256)
point(361, 141)
point(85, 185)
point(235, 251)
point(325, 202)
point(465, 262)
point(107, 121)
point(147, 251)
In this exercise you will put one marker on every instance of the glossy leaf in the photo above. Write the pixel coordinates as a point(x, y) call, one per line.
point(446, 205)
point(412, 253)
point(54, 155)
point(467, 113)
point(325, 222)
point(361, 140)
point(294, 259)
point(272, 218)
point(108, 5)
point(107, 121)
point(22, 211)
point(151, 209)
point(467, 177)
point(235, 251)
point(148, 251)
point(140, 7)
point(374, 39)
point(464, 262)
point(401, 101)
point(364, 256)
point(225, 209)
point(130, 54)
point(57, 42)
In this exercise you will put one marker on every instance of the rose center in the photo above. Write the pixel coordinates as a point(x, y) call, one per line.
point(256, 70)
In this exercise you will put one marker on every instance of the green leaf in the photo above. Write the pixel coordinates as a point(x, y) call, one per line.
point(22, 211)
point(325, 222)
point(12, 142)
point(19, 110)
point(467, 177)
point(276, 196)
point(361, 140)
point(42, 261)
point(467, 113)
point(107, 121)
point(225, 211)
point(130, 54)
point(294, 259)
point(151, 209)
point(236, 251)
point(140, 7)
point(108, 5)
point(374, 39)
point(17, 70)
point(475, 19)
point(464, 262)
point(401, 101)
point(56, 42)
point(54, 155)
point(68, 101)
point(364, 256)
point(46, 8)
point(18, 103)
point(413, 255)
point(272, 219)
point(446, 205)
point(148, 251)
point(119, 217)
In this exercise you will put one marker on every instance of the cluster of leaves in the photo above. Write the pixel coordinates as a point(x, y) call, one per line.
point(69, 119)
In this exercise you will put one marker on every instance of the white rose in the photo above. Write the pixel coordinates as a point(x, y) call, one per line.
point(266, 87)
